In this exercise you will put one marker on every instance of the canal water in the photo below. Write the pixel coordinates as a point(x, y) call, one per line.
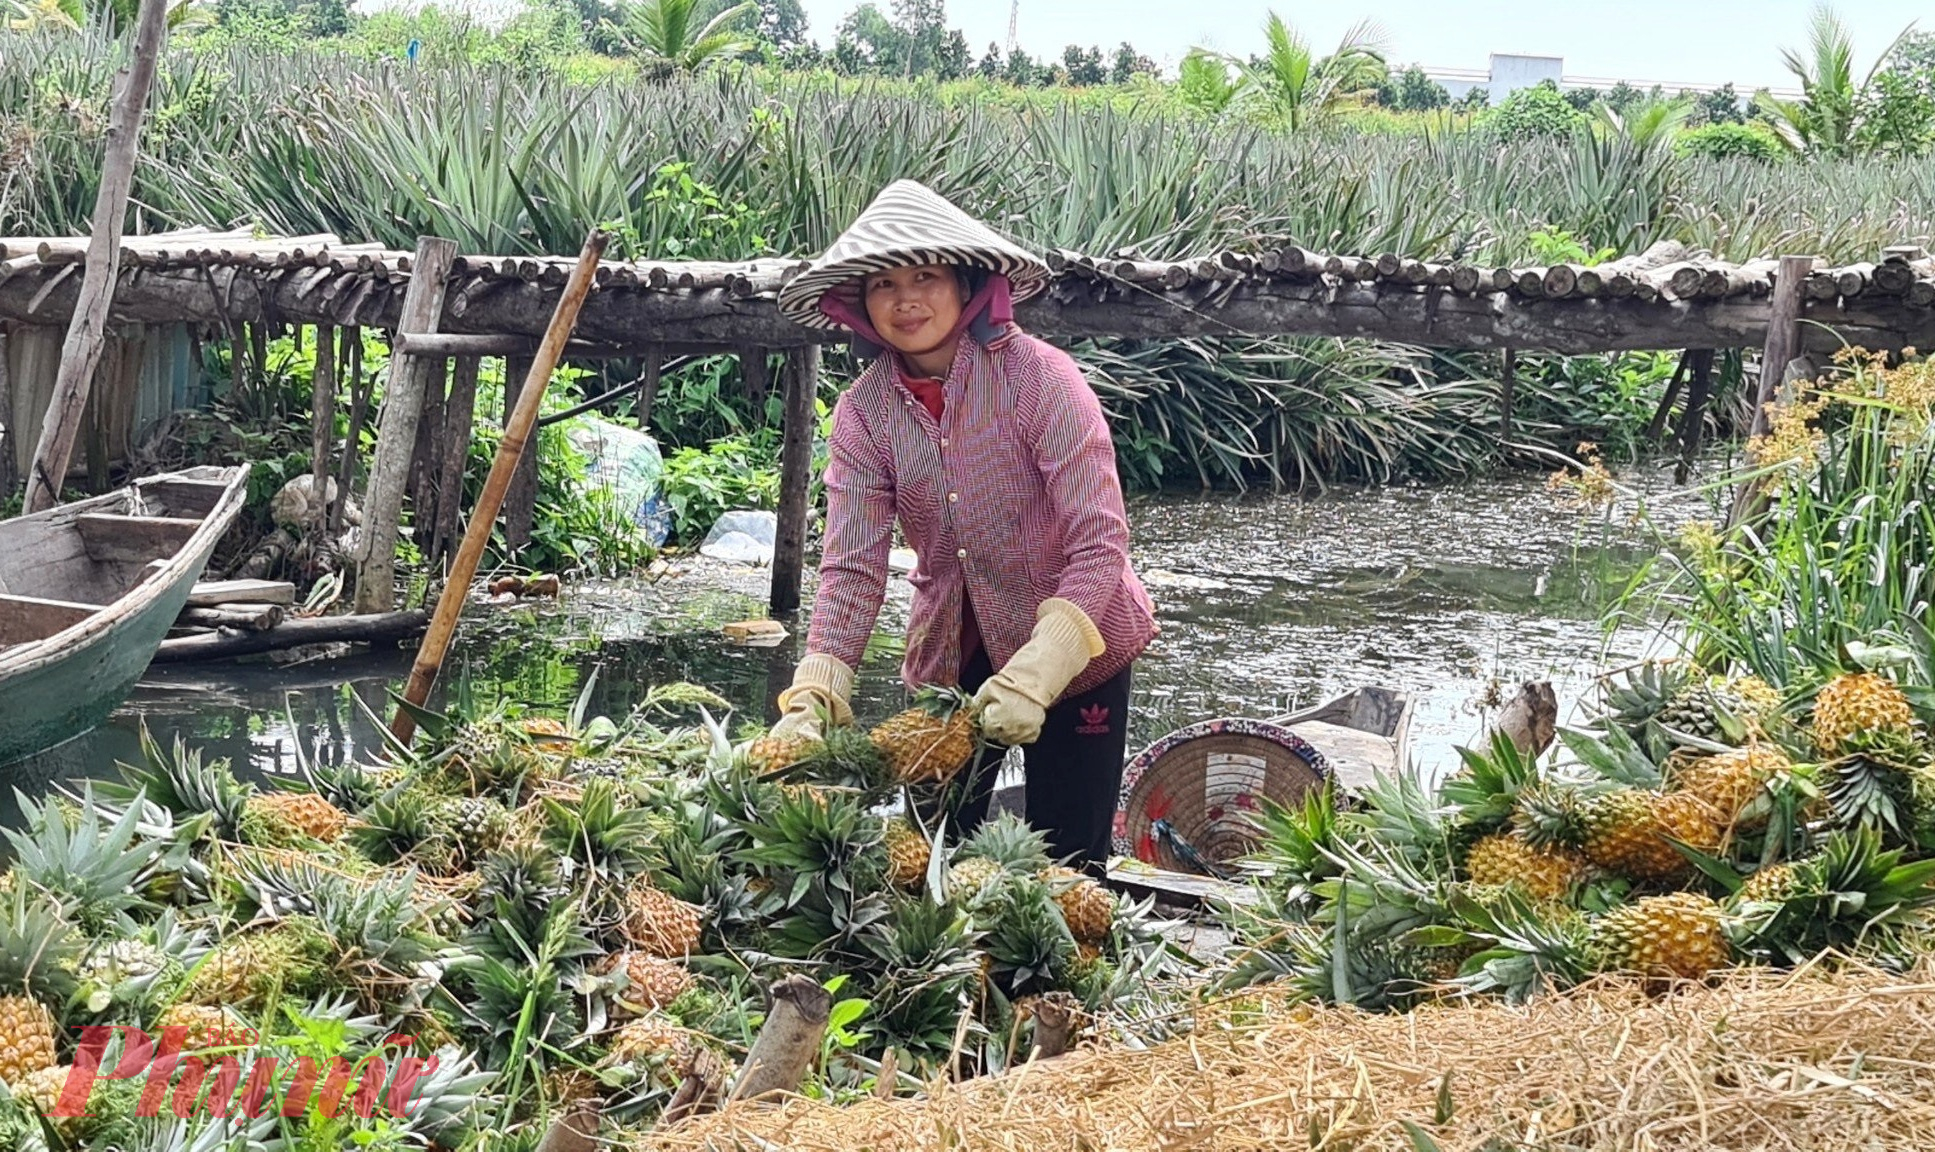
point(1267, 603)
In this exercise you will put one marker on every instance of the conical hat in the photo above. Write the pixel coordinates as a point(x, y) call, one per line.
point(908, 224)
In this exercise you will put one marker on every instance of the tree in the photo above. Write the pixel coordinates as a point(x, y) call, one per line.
point(1128, 62)
point(1581, 99)
point(1021, 70)
point(667, 33)
point(1084, 68)
point(990, 66)
point(1720, 106)
point(1204, 82)
point(1413, 91)
point(1296, 86)
point(1538, 112)
point(782, 23)
point(1647, 125)
point(869, 42)
point(1623, 98)
point(1476, 99)
point(923, 35)
point(1825, 118)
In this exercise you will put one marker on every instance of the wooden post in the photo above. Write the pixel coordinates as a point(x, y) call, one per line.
point(801, 381)
point(86, 329)
point(359, 402)
point(322, 421)
point(9, 450)
point(457, 416)
point(1783, 337)
point(1507, 384)
point(1693, 422)
point(651, 367)
point(520, 503)
point(789, 1040)
point(758, 375)
point(426, 458)
point(1656, 427)
point(397, 435)
point(519, 427)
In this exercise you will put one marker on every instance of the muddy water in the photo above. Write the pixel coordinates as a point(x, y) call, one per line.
point(1266, 603)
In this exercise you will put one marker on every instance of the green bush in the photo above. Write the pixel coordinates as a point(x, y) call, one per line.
point(703, 484)
point(1536, 113)
point(1729, 141)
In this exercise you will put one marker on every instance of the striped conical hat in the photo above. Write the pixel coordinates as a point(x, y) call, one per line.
point(908, 224)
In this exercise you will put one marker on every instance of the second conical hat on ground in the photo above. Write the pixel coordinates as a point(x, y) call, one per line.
point(909, 223)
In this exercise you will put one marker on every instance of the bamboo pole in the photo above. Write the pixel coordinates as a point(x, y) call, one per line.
point(358, 395)
point(396, 437)
point(86, 329)
point(801, 383)
point(519, 426)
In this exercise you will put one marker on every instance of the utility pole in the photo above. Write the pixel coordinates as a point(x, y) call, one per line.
point(1014, 18)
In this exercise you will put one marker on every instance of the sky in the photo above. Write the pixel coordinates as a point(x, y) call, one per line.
point(1666, 41)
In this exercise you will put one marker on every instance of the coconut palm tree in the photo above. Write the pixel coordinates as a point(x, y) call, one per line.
point(1825, 117)
point(668, 33)
point(1296, 86)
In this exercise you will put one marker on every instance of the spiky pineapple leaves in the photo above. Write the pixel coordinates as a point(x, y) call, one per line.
point(96, 871)
point(1485, 790)
point(1614, 757)
point(1852, 897)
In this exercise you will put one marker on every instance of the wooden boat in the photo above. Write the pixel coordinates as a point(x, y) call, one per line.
point(1365, 733)
point(88, 590)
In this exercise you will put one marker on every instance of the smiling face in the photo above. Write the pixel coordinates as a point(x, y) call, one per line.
point(915, 309)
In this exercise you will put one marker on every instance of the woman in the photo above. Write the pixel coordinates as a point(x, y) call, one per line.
point(991, 451)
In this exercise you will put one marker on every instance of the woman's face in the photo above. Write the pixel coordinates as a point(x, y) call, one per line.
point(914, 309)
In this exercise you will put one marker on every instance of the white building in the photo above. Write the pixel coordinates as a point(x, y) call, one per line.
point(1508, 72)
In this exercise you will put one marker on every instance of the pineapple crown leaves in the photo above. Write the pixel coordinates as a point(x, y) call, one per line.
point(1397, 809)
point(1853, 896)
point(1632, 697)
point(609, 839)
point(39, 948)
point(1613, 758)
point(181, 782)
point(809, 836)
point(1026, 936)
point(95, 871)
point(395, 825)
point(1551, 814)
point(1527, 953)
point(1007, 840)
point(1486, 789)
point(1294, 840)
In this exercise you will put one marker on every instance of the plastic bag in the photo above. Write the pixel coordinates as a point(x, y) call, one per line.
point(746, 537)
point(626, 463)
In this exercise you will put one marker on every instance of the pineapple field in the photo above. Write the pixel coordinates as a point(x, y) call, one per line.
point(1702, 919)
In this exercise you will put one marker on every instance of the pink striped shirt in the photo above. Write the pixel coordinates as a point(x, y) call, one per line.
point(1010, 498)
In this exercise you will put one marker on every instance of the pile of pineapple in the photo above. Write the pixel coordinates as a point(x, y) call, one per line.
point(559, 910)
point(1703, 821)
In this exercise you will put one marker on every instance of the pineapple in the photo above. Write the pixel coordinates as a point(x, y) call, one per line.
point(1703, 709)
point(1002, 847)
point(972, 877)
point(1626, 832)
point(478, 824)
point(570, 1085)
point(1675, 935)
point(1088, 907)
point(651, 1038)
point(42, 1087)
point(275, 815)
point(207, 1027)
point(660, 924)
point(250, 969)
point(774, 753)
point(651, 981)
point(26, 1038)
point(907, 854)
point(1857, 705)
point(933, 740)
point(121, 960)
point(1545, 871)
point(1773, 884)
point(1729, 781)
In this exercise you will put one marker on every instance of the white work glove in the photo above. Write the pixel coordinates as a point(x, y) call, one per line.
point(821, 685)
point(1014, 702)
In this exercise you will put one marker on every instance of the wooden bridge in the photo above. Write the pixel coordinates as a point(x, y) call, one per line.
point(241, 287)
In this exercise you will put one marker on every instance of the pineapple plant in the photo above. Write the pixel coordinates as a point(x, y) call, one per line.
point(908, 853)
point(1773, 884)
point(1028, 938)
point(1859, 705)
point(1641, 695)
point(770, 754)
point(38, 954)
point(1717, 709)
point(1851, 897)
point(1085, 905)
point(250, 969)
point(287, 819)
point(932, 741)
point(650, 981)
point(1003, 847)
point(659, 923)
point(1546, 871)
point(1679, 934)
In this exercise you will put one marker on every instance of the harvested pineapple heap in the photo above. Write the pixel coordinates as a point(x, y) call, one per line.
point(566, 912)
point(1704, 822)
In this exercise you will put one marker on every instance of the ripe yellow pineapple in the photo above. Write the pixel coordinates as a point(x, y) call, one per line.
point(970, 877)
point(1675, 935)
point(1856, 704)
point(26, 1038)
point(1626, 832)
point(569, 1085)
point(654, 981)
point(1546, 872)
point(1729, 781)
point(305, 811)
point(649, 1037)
point(907, 854)
point(1088, 907)
point(42, 1087)
point(1772, 884)
point(930, 742)
point(207, 1027)
point(772, 753)
point(661, 924)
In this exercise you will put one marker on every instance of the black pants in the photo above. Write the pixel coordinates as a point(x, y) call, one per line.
point(1074, 771)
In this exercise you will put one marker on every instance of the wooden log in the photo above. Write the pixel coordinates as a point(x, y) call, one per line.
point(1507, 386)
point(1389, 264)
point(210, 593)
point(1896, 274)
point(9, 449)
point(1782, 348)
point(788, 1042)
point(1656, 427)
point(1560, 280)
point(1686, 280)
point(426, 458)
point(1466, 279)
point(650, 368)
point(1852, 280)
point(801, 382)
point(576, 1130)
point(1530, 282)
point(1822, 286)
point(757, 373)
point(87, 325)
point(1589, 283)
point(1056, 1016)
point(459, 413)
point(241, 617)
point(375, 628)
point(520, 501)
point(322, 421)
point(397, 432)
point(1693, 421)
point(359, 398)
point(1921, 294)
point(519, 427)
point(1293, 261)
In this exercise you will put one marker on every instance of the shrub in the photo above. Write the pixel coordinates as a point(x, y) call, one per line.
point(1728, 141)
point(1535, 113)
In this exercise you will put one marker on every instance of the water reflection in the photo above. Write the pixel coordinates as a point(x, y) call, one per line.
point(1266, 604)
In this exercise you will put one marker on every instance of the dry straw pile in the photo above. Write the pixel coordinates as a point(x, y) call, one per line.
point(1758, 1060)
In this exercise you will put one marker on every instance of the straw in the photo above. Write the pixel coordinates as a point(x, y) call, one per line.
point(1759, 1060)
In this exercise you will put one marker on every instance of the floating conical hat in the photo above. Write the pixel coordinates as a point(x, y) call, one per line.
point(909, 224)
